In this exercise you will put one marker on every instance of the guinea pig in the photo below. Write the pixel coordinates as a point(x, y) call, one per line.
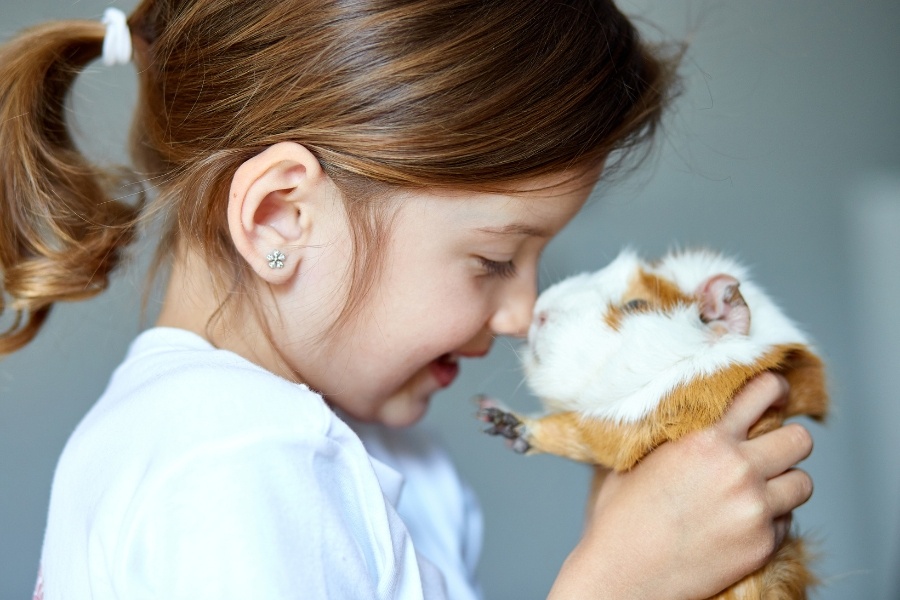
point(639, 353)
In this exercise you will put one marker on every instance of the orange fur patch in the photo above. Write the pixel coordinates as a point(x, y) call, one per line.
point(660, 294)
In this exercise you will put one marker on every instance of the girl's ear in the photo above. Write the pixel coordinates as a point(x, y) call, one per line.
point(270, 207)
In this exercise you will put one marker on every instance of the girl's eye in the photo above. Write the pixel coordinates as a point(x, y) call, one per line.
point(504, 270)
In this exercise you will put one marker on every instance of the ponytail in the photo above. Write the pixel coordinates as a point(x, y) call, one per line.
point(61, 233)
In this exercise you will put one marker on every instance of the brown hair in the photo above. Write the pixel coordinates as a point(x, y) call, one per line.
point(386, 93)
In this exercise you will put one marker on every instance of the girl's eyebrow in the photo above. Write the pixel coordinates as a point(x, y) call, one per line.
point(516, 229)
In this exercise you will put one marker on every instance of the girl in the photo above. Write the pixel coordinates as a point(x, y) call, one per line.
point(354, 195)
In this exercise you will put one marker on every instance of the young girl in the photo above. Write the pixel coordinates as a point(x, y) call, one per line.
point(355, 194)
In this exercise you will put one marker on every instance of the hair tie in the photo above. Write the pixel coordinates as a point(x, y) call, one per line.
point(117, 41)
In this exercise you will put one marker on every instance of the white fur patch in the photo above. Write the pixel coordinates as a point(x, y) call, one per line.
point(576, 361)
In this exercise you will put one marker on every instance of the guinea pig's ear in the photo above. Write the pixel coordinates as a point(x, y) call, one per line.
point(722, 306)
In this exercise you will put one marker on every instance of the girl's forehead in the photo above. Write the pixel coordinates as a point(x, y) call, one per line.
point(535, 213)
point(532, 200)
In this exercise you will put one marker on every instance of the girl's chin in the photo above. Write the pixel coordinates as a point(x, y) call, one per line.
point(408, 405)
point(402, 410)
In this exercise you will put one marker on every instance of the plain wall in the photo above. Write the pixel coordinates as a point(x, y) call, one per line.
point(784, 150)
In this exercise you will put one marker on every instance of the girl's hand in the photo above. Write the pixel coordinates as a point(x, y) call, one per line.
point(695, 515)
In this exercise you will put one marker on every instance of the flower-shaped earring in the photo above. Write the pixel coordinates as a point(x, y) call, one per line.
point(276, 259)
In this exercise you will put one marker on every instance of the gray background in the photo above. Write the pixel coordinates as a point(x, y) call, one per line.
point(784, 151)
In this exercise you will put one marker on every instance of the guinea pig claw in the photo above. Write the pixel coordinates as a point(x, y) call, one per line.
point(502, 423)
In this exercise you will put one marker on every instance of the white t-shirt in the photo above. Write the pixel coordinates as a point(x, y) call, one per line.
point(200, 475)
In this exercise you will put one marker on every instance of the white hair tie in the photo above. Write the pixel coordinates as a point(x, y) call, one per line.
point(117, 41)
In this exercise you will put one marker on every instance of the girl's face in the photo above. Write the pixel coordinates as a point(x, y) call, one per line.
point(459, 269)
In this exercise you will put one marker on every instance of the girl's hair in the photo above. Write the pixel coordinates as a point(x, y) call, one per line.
point(467, 94)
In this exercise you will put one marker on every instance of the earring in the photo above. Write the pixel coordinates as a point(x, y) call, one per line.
point(276, 259)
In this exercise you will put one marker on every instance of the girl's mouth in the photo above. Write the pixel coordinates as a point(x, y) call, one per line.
point(445, 368)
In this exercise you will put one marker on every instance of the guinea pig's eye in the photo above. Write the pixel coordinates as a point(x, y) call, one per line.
point(636, 305)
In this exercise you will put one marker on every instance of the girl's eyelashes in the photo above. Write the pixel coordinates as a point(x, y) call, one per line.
point(504, 270)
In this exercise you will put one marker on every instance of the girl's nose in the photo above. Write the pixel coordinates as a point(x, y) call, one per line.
point(513, 316)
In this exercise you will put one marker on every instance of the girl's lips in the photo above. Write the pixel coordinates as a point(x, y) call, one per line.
point(445, 369)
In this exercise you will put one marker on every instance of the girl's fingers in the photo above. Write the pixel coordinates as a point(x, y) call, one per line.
point(760, 393)
point(788, 491)
point(775, 452)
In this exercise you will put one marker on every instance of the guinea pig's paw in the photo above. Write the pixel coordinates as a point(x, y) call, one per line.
point(502, 422)
point(509, 426)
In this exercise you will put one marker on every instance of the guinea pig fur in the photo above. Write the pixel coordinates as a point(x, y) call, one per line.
point(638, 353)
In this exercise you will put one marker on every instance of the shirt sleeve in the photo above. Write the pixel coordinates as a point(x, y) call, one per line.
point(279, 519)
